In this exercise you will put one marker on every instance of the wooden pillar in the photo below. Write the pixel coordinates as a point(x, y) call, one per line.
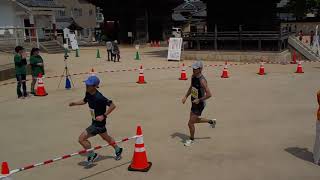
point(32, 26)
point(54, 26)
point(259, 44)
point(280, 39)
point(215, 37)
point(240, 37)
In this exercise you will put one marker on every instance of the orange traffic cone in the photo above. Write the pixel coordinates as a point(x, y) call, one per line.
point(152, 44)
point(40, 88)
point(158, 45)
point(225, 73)
point(294, 58)
point(92, 72)
point(5, 169)
point(261, 70)
point(299, 68)
point(183, 73)
point(139, 160)
point(141, 77)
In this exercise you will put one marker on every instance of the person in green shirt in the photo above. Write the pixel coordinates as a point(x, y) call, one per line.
point(37, 67)
point(20, 63)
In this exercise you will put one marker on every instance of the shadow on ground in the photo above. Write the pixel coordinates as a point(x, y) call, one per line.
point(184, 137)
point(100, 158)
point(101, 172)
point(301, 153)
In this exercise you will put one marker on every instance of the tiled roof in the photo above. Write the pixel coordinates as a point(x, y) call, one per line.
point(191, 6)
point(201, 13)
point(40, 3)
point(178, 17)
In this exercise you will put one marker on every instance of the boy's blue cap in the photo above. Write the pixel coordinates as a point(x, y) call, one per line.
point(92, 81)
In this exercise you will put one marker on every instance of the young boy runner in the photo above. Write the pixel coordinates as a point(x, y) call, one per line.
point(20, 63)
point(200, 92)
point(97, 105)
point(37, 67)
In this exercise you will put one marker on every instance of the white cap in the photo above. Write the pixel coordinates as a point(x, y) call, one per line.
point(197, 65)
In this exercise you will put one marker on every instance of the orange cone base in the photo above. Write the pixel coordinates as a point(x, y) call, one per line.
point(140, 170)
point(299, 70)
point(41, 92)
point(183, 77)
point(262, 74)
point(224, 75)
point(41, 95)
point(141, 82)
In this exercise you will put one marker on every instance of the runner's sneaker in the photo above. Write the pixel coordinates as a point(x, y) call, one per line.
point(213, 123)
point(91, 158)
point(118, 154)
point(188, 143)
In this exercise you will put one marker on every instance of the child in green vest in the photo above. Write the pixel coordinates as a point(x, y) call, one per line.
point(20, 63)
point(37, 65)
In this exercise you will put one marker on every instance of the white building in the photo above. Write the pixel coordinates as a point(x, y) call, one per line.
point(28, 14)
point(78, 15)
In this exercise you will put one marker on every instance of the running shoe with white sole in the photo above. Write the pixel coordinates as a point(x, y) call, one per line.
point(188, 143)
point(213, 123)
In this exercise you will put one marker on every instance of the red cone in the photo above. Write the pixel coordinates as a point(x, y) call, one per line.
point(5, 169)
point(40, 87)
point(299, 68)
point(92, 72)
point(183, 73)
point(139, 160)
point(225, 73)
point(141, 77)
point(261, 70)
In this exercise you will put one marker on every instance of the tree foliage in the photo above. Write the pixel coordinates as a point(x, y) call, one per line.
point(301, 7)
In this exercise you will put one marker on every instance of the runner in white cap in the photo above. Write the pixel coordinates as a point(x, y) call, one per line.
point(199, 92)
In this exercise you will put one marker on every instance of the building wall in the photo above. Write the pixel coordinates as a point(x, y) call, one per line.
point(7, 11)
point(42, 21)
point(84, 20)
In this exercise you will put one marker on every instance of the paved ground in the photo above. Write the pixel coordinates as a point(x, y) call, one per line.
point(265, 124)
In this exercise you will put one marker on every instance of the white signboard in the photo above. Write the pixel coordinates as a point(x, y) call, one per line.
point(130, 34)
point(174, 50)
point(66, 33)
point(73, 41)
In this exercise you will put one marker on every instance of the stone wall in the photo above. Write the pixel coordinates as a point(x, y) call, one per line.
point(279, 57)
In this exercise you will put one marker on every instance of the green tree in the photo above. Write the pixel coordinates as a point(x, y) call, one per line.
point(298, 8)
point(313, 6)
point(301, 7)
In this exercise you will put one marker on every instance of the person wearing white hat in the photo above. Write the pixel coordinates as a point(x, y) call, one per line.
point(199, 92)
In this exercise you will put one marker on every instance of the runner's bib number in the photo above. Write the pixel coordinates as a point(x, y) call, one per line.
point(194, 93)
